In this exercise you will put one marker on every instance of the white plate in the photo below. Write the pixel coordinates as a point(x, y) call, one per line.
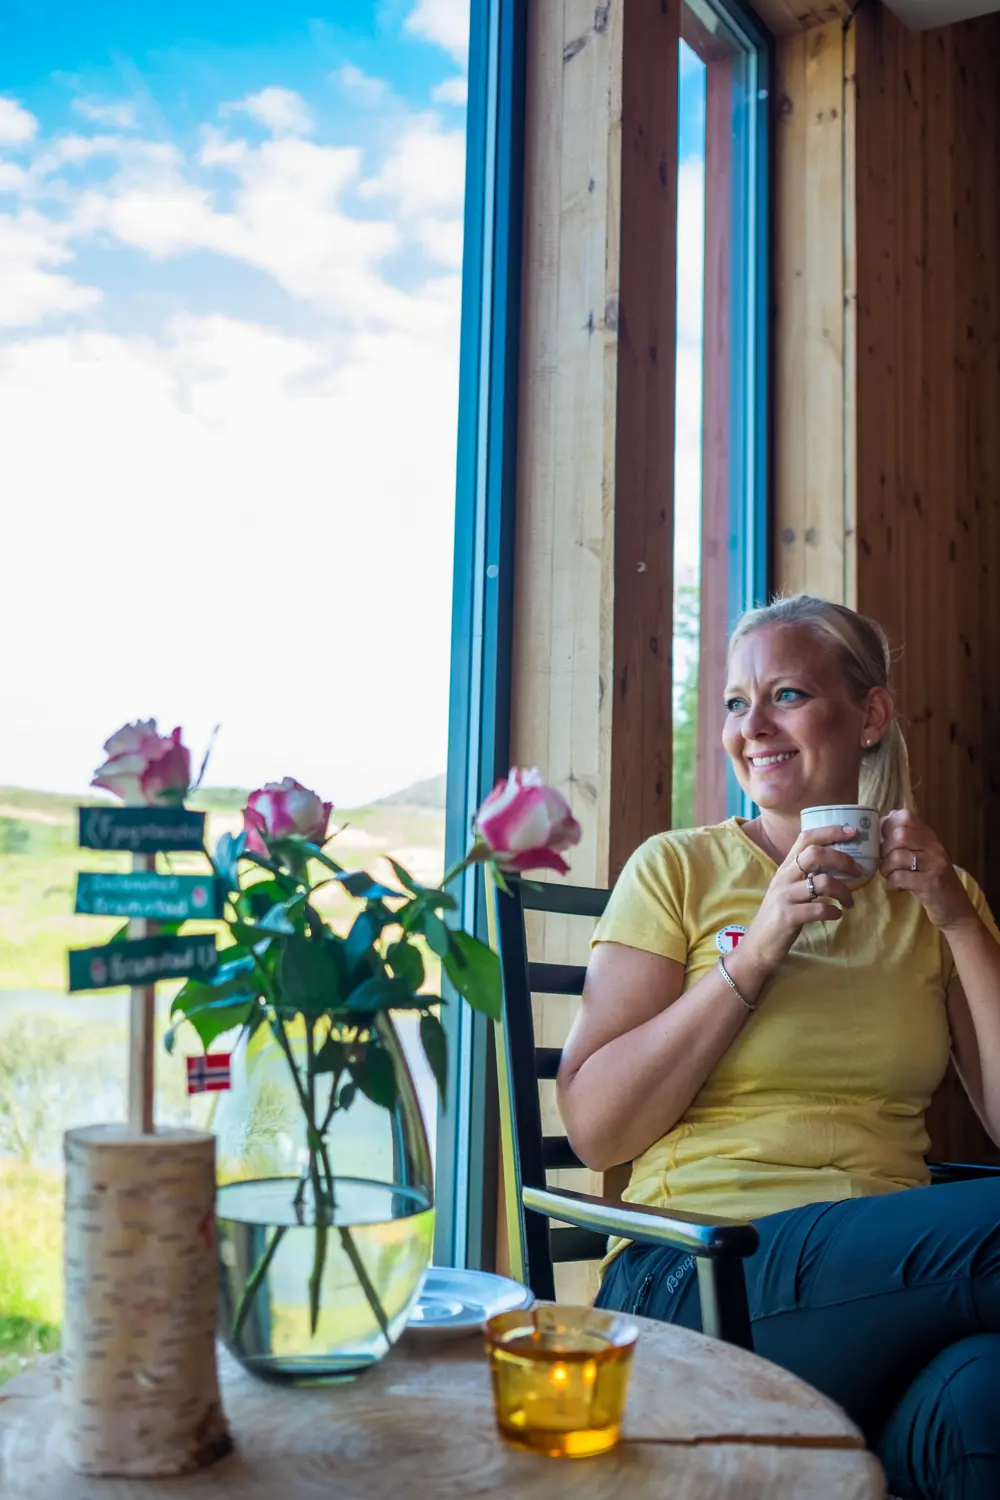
point(454, 1304)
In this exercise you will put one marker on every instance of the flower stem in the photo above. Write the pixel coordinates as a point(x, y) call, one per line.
point(353, 1255)
point(254, 1280)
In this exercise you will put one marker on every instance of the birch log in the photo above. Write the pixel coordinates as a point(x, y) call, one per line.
point(140, 1392)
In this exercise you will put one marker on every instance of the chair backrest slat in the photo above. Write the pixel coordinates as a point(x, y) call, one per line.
point(556, 979)
point(567, 900)
point(547, 1060)
point(557, 1153)
point(577, 1244)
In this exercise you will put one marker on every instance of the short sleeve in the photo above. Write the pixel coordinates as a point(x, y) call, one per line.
point(647, 903)
point(979, 901)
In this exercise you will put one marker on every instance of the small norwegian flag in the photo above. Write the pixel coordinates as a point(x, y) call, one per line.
point(209, 1074)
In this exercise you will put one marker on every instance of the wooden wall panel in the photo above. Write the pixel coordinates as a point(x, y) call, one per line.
point(813, 510)
point(563, 664)
point(594, 541)
point(641, 732)
point(928, 424)
point(791, 17)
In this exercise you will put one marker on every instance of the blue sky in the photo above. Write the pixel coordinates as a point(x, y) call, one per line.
point(230, 256)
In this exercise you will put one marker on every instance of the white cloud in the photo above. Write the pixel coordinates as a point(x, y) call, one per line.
point(118, 116)
point(452, 91)
point(445, 22)
point(291, 518)
point(299, 484)
point(29, 290)
point(13, 179)
point(17, 125)
point(282, 111)
point(365, 89)
point(424, 180)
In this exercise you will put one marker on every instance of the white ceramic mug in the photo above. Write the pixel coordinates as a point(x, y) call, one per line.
point(864, 848)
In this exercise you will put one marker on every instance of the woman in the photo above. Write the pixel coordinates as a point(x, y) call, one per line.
point(761, 1033)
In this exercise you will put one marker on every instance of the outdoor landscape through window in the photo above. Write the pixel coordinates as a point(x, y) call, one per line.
point(231, 242)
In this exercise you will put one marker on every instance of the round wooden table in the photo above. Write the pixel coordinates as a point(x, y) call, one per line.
point(704, 1421)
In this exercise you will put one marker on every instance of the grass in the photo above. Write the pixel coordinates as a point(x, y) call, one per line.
point(31, 1206)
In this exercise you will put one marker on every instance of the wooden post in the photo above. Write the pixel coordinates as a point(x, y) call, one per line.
point(142, 1027)
point(140, 1393)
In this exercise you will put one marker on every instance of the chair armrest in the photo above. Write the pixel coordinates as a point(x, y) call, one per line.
point(701, 1234)
point(958, 1171)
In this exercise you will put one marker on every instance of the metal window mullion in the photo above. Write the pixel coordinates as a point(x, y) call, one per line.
point(480, 706)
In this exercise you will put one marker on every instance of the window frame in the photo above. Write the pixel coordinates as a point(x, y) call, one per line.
point(748, 573)
point(483, 597)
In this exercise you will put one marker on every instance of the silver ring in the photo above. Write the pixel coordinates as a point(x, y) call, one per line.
point(811, 888)
point(913, 865)
point(797, 861)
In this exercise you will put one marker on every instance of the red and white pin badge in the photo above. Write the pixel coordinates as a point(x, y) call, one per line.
point(728, 938)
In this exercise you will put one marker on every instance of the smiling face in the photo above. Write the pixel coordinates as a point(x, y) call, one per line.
point(794, 731)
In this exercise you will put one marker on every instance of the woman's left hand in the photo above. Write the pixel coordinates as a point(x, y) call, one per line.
point(914, 859)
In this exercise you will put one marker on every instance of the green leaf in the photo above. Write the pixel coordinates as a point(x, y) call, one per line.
point(406, 964)
point(308, 975)
point(228, 852)
point(365, 931)
point(277, 919)
point(348, 1093)
point(380, 993)
point(362, 885)
point(406, 879)
point(474, 970)
point(259, 898)
point(251, 936)
point(375, 1076)
point(330, 1057)
point(435, 1044)
point(436, 933)
point(315, 852)
point(262, 862)
point(212, 1018)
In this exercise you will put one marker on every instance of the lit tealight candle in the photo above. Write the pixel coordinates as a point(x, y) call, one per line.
point(560, 1376)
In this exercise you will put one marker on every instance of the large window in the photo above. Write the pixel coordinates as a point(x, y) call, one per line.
point(231, 239)
point(720, 470)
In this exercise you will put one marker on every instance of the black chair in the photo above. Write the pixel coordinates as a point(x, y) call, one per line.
point(719, 1245)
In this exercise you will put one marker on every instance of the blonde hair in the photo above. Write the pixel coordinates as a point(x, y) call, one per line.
point(862, 649)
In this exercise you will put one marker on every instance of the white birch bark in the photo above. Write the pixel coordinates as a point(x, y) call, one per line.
point(140, 1392)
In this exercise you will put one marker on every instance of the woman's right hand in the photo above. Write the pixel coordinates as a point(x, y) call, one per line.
point(790, 903)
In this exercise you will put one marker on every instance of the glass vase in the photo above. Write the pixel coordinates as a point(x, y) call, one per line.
point(317, 1288)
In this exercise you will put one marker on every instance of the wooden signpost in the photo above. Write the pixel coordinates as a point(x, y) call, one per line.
point(139, 1388)
point(147, 898)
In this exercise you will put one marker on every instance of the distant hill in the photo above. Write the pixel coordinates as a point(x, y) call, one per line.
point(429, 793)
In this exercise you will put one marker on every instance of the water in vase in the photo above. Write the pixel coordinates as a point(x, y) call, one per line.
point(374, 1255)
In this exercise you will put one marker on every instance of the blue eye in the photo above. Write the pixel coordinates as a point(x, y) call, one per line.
point(733, 705)
point(785, 695)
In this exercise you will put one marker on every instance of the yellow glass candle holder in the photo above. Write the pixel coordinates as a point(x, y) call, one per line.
point(560, 1376)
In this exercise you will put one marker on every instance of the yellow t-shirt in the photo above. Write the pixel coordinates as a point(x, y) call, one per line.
point(822, 1095)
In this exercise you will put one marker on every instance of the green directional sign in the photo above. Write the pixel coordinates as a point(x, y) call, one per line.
point(141, 830)
point(158, 898)
point(141, 962)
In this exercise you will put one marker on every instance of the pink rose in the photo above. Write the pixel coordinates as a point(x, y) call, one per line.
point(284, 807)
point(525, 824)
point(144, 767)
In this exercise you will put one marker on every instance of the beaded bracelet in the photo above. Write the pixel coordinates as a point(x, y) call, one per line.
point(735, 988)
